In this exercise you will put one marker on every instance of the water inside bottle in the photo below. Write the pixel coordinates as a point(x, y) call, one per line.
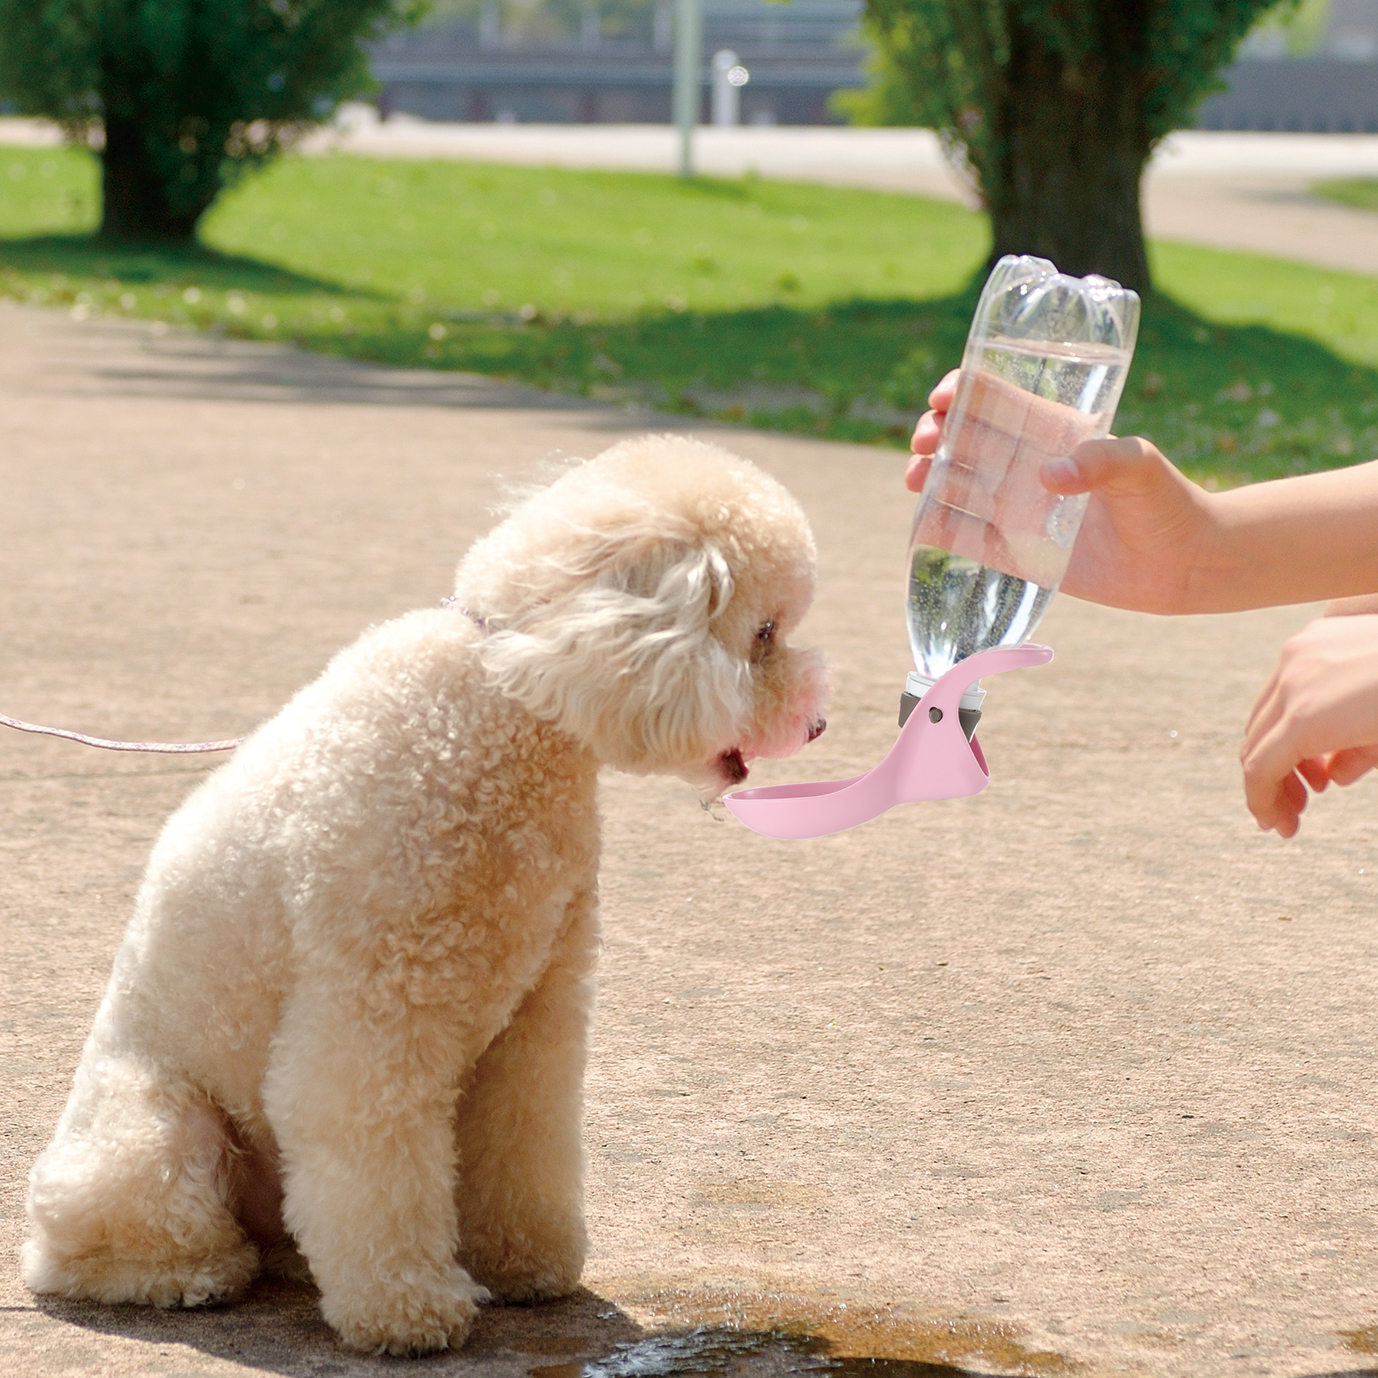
point(958, 607)
point(990, 543)
point(1084, 377)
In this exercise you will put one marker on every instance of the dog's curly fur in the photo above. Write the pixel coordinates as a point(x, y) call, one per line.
point(351, 1008)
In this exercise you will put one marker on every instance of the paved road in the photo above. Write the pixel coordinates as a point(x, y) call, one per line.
point(1233, 191)
point(1077, 1072)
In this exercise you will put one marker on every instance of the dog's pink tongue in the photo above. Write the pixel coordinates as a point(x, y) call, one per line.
point(734, 766)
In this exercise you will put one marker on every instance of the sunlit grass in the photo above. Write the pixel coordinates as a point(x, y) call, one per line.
point(820, 310)
point(1361, 193)
point(610, 243)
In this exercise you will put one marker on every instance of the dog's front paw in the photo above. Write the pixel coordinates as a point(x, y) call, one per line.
point(528, 1291)
point(410, 1315)
point(528, 1271)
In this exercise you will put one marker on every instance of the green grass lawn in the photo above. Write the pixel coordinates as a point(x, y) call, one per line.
point(821, 310)
point(1360, 193)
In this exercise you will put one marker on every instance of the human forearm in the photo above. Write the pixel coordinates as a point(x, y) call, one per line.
point(1296, 540)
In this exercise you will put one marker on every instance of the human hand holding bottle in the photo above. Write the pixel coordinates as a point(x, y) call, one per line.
point(1153, 541)
point(1141, 536)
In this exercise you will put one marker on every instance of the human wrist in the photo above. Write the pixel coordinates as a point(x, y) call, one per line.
point(1217, 554)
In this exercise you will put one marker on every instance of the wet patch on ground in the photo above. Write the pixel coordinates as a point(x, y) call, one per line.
point(720, 1353)
point(1363, 1341)
point(731, 1331)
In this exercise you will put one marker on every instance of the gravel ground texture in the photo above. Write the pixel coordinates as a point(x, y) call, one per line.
point(1075, 1076)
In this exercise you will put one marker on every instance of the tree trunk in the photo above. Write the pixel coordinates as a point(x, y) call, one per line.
point(135, 205)
point(1068, 155)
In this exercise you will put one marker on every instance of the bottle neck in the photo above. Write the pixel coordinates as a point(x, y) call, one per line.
point(972, 698)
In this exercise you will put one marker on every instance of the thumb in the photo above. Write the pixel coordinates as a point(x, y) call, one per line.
point(1128, 466)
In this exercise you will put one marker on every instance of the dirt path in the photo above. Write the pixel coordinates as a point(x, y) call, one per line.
point(1075, 1073)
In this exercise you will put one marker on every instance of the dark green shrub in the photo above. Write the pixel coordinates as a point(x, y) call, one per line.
point(184, 96)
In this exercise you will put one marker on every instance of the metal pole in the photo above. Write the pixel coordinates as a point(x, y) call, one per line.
point(688, 77)
point(728, 79)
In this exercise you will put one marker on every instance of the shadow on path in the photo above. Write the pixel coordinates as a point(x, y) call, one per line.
point(277, 1329)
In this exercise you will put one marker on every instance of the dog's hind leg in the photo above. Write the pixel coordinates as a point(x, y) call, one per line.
point(129, 1201)
point(520, 1190)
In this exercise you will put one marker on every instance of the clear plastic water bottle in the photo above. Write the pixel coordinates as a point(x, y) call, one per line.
point(1043, 370)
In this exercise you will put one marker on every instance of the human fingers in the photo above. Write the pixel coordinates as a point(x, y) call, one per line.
point(928, 434)
point(1315, 770)
point(941, 398)
point(1345, 767)
point(1288, 804)
point(1267, 708)
point(917, 472)
point(1272, 787)
point(1279, 809)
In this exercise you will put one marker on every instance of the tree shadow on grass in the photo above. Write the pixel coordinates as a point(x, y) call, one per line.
point(1228, 401)
point(78, 257)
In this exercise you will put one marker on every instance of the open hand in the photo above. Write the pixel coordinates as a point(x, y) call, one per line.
point(1315, 720)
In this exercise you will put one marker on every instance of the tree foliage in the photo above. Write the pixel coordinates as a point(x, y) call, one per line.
point(1076, 92)
point(187, 94)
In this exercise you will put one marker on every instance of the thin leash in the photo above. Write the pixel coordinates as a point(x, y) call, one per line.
point(174, 748)
point(181, 748)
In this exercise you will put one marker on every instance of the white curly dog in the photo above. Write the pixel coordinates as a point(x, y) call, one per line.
point(350, 1012)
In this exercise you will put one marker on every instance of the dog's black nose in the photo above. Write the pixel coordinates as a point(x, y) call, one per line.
point(817, 729)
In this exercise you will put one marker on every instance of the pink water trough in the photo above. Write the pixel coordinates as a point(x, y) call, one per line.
point(931, 759)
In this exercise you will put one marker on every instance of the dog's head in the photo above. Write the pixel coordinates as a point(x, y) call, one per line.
point(642, 602)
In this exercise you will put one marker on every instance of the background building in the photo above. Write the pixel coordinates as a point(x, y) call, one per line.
point(590, 65)
point(609, 61)
point(1318, 72)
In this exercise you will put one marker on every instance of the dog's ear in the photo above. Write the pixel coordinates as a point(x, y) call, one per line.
point(621, 653)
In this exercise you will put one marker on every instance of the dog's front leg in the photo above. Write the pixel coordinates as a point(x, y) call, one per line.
point(361, 1094)
point(521, 1159)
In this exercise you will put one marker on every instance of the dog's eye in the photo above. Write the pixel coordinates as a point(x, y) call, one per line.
point(765, 637)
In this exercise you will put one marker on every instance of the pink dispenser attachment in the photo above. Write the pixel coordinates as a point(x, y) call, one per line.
point(931, 759)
